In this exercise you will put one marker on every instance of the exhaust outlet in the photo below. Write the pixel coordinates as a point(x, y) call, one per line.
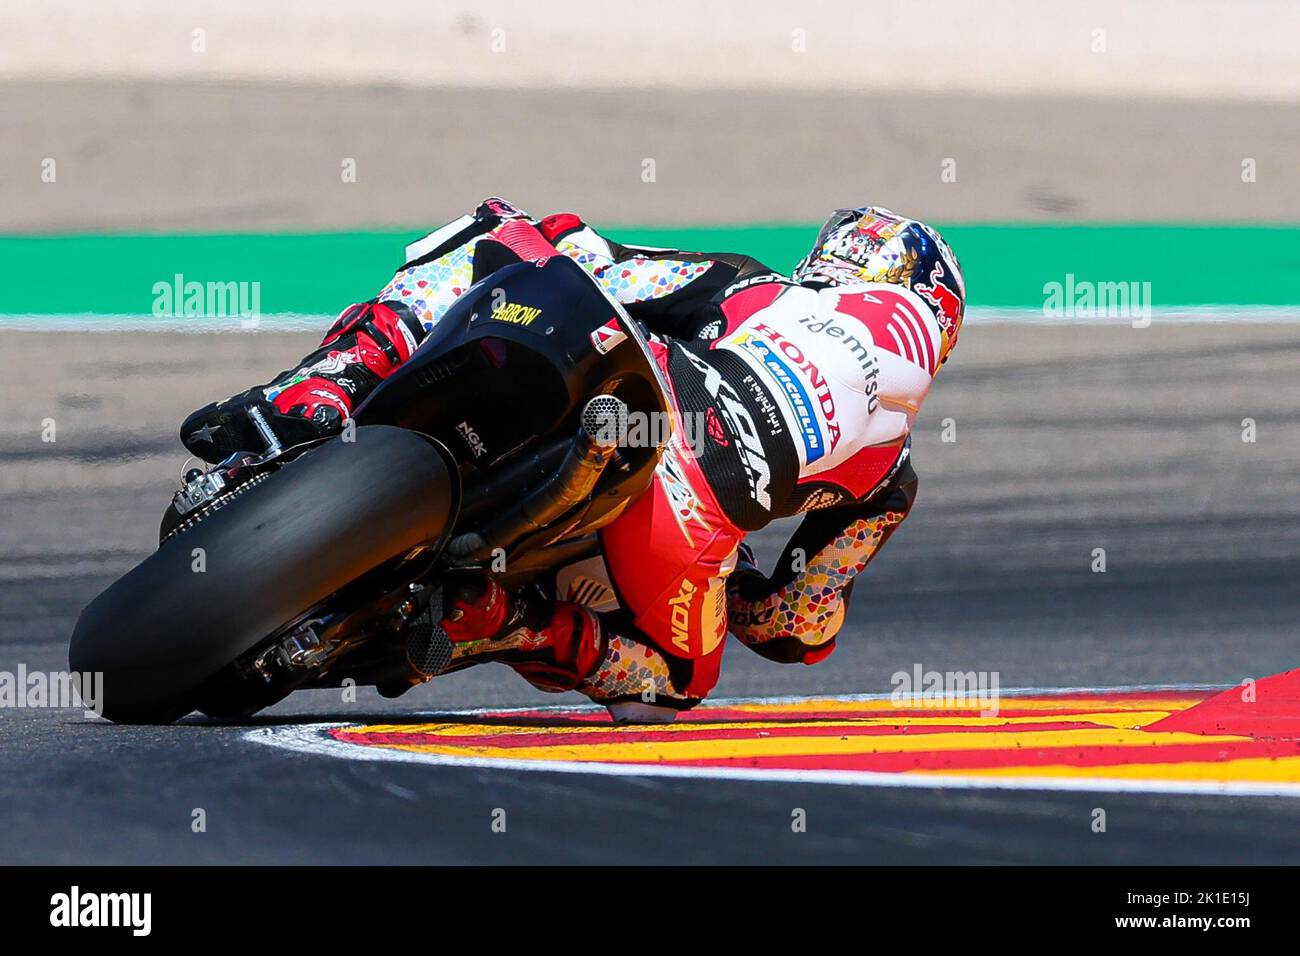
point(603, 426)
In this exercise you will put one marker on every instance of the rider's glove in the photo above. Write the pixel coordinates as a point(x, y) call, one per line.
point(474, 606)
point(747, 582)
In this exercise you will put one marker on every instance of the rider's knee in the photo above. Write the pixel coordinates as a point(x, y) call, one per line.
point(794, 637)
point(639, 712)
point(631, 676)
point(793, 650)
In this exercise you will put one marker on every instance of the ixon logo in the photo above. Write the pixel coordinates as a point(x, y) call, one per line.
point(681, 614)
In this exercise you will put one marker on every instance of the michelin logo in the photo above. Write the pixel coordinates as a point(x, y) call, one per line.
point(796, 395)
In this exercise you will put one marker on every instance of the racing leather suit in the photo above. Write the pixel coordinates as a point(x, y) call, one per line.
point(806, 396)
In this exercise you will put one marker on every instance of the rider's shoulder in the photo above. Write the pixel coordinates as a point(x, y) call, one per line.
point(767, 277)
point(759, 289)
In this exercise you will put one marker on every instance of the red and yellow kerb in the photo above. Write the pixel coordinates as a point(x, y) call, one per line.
point(1244, 735)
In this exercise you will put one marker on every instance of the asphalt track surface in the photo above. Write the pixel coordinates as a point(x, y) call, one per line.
point(1069, 438)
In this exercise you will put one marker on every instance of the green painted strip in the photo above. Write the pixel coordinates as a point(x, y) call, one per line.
point(1006, 266)
point(308, 272)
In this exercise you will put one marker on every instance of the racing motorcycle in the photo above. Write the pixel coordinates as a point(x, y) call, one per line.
point(500, 444)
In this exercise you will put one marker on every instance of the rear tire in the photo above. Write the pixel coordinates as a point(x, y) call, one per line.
point(213, 592)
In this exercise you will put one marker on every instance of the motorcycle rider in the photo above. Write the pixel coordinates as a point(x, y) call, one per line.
point(808, 385)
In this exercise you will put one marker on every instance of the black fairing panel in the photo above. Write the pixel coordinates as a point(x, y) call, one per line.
point(512, 363)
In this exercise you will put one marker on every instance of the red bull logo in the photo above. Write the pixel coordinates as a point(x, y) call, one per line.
point(946, 303)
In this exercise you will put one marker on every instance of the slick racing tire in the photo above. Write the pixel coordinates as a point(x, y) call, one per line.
point(213, 592)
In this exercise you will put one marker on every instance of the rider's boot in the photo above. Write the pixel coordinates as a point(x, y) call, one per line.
point(316, 397)
point(565, 647)
point(552, 646)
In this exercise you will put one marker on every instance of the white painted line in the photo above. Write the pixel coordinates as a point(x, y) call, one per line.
point(296, 321)
point(847, 698)
point(94, 322)
point(1168, 315)
point(314, 739)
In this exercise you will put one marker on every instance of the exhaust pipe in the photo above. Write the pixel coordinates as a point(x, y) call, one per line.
point(603, 426)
